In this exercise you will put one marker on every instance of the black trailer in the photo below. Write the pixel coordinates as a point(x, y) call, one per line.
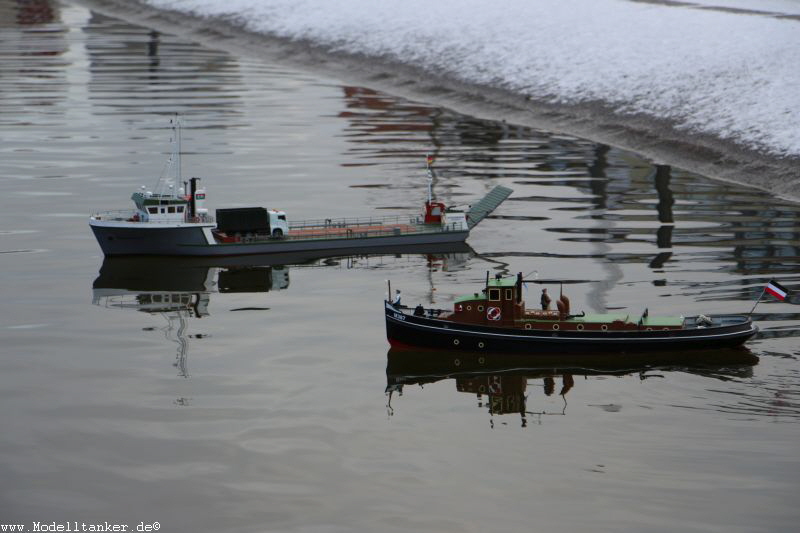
point(243, 220)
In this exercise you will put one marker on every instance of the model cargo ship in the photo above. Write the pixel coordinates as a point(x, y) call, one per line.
point(172, 220)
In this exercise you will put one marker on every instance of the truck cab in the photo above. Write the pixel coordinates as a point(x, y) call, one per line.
point(279, 227)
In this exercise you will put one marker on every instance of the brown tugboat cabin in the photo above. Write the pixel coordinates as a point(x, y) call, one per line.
point(500, 304)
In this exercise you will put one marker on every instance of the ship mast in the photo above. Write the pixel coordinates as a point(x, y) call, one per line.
point(428, 163)
point(177, 127)
point(170, 178)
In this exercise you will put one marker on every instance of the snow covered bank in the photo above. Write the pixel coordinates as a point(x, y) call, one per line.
point(726, 73)
point(730, 74)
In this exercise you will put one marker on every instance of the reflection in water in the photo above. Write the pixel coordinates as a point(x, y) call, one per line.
point(501, 382)
point(665, 202)
point(31, 12)
point(152, 51)
point(34, 43)
point(179, 289)
point(139, 71)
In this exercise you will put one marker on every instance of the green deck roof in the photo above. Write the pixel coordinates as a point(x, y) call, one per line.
point(503, 282)
point(469, 298)
point(650, 321)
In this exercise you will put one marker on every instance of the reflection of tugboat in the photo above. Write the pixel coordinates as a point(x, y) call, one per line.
point(505, 394)
point(172, 220)
point(496, 321)
point(501, 382)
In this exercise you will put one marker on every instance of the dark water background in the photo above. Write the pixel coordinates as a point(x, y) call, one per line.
point(255, 399)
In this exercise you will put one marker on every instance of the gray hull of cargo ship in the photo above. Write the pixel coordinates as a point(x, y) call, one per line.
point(304, 245)
point(147, 239)
point(191, 241)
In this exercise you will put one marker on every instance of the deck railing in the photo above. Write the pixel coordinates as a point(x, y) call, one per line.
point(355, 221)
point(367, 231)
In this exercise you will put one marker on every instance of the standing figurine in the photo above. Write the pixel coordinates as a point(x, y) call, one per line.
point(545, 300)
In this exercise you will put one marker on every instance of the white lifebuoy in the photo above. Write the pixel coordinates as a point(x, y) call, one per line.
point(493, 313)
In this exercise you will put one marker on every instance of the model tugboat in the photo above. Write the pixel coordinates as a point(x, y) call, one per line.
point(172, 219)
point(496, 320)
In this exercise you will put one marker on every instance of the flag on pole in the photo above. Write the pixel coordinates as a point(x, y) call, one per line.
point(777, 290)
point(429, 159)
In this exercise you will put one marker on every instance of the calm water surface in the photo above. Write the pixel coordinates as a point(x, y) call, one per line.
point(263, 397)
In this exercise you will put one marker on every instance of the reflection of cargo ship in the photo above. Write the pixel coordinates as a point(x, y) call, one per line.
point(178, 290)
point(173, 220)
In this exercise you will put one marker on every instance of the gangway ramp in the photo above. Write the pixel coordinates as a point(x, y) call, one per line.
point(487, 204)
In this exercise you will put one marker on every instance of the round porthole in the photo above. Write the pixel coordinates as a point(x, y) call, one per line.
point(580, 327)
point(456, 342)
point(556, 326)
point(480, 308)
point(528, 326)
point(469, 308)
point(457, 362)
point(604, 327)
point(481, 360)
point(480, 345)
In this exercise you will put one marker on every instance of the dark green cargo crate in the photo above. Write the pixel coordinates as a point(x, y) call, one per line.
point(243, 220)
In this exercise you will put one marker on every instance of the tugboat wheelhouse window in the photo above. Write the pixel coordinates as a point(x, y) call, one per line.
point(494, 295)
point(509, 294)
point(152, 210)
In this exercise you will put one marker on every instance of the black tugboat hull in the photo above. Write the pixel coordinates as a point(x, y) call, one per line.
point(406, 330)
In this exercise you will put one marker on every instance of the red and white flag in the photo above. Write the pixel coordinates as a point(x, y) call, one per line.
point(777, 290)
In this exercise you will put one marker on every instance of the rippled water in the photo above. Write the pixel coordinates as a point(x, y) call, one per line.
point(263, 397)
